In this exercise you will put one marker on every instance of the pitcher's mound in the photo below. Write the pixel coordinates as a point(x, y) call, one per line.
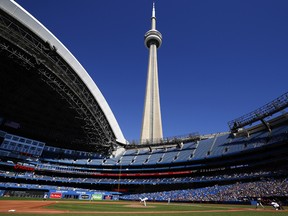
point(139, 206)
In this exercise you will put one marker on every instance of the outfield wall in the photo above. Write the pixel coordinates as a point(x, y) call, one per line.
point(58, 194)
point(82, 195)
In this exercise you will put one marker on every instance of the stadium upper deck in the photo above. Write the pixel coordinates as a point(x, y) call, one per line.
point(209, 160)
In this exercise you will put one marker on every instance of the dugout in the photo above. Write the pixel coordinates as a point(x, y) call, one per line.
point(24, 193)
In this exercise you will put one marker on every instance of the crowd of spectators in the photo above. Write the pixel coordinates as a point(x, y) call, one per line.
point(225, 193)
point(219, 193)
point(13, 185)
point(267, 187)
point(172, 180)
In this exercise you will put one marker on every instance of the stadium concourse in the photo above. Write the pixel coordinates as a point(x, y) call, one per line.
point(91, 160)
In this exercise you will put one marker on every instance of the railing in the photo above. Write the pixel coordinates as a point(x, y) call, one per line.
point(269, 109)
point(165, 141)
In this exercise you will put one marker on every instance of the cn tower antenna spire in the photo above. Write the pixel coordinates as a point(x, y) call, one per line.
point(152, 123)
point(153, 10)
point(153, 18)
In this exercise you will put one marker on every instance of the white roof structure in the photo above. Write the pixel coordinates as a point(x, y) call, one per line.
point(19, 13)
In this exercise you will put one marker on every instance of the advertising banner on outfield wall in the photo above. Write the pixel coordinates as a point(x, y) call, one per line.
point(96, 197)
point(108, 197)
point(55, 195)
point(84, 197)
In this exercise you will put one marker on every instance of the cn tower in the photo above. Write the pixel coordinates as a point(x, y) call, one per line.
point(152, 123)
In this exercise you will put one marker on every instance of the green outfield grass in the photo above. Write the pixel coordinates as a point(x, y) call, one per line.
point(175, 214)
point(100, 208)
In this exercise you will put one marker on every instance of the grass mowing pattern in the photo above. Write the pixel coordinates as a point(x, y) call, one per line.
point(115, 207)
point(75, 208)
point(167, 214)
point(161, 209)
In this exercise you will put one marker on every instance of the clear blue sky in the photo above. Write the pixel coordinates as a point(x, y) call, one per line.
point(219, 59)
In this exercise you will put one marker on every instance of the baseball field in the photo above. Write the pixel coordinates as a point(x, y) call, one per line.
point(101, 208)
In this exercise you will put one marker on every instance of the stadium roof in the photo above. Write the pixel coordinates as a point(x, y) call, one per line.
point(45, 93)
